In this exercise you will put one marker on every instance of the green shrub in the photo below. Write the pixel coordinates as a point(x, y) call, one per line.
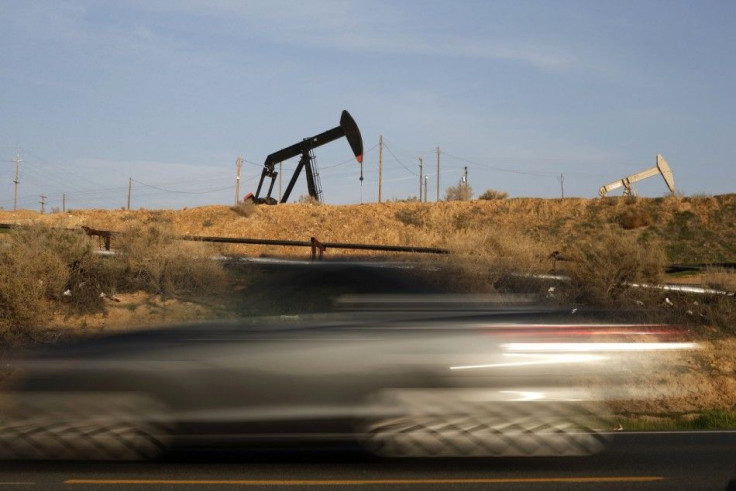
point(715, 419)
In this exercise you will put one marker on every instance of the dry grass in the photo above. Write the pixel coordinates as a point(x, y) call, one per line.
point(690, 229)
point(244, 208)
point(720, 279)
point(308, 200)
point(613, 241)
point(484, 259)
point(153, 260)
point(461, 192)
point(602, 271)
point(38, 265)
point(49, 271)
point(634, 218)
point(493, 194)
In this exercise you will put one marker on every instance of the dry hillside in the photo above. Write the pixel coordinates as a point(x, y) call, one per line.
point(691, 229)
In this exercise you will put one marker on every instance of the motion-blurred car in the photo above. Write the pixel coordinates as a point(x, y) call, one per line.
point(436, 381)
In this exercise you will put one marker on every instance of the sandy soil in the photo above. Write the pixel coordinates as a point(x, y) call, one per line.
point(143, 310)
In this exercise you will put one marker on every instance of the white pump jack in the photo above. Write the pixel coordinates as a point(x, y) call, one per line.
point(661, 168)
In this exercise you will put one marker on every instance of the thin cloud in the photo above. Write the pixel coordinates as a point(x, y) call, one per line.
point(359, 27)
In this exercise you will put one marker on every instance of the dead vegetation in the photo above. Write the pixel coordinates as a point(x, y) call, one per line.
point(461, 192)
point(493, 194)
point(243, 208)
point(603, 245)
point(603, 270)
point(634, 218)
point(49, 272)
point(692, 230)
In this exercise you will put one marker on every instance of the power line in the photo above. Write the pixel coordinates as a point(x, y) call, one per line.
point(399, 161)
point(395, 179)
point(67, 173)
point(232, 186)
point(101, 196)
point(502, 169)
point(351, 159)
point(64, 182)
point(424, 154)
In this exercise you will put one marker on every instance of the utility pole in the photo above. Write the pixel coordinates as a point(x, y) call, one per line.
point(18, 160)
point(562, 185)
point(380, 165)
point(130, 189)
point(238, 163)
point(465, 181)
point(426, 179)
point(438, 173)
point(420, 179)
point(43, 204)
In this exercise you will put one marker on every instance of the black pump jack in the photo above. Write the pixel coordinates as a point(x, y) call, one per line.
point(347, 128)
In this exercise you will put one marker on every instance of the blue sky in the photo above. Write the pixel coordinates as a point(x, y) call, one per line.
point(169, 93)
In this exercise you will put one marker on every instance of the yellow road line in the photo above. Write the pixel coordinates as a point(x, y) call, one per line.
point(356, 482)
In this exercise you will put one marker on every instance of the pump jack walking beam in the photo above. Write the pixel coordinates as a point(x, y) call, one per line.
point(347, 128)
point(661, 168)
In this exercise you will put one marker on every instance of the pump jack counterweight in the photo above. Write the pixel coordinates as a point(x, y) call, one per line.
point(347, 128)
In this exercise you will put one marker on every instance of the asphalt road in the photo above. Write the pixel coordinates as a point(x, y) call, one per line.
point(682, 460)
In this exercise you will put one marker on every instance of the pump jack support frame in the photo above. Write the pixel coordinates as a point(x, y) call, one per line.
point(661, 168)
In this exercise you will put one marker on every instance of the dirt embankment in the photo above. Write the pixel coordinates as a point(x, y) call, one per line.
point(692, 230)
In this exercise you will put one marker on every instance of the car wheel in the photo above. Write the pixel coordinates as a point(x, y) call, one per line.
point(84, 426)
point(419, 424)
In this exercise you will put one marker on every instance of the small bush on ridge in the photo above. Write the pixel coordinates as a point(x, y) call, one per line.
point(461, 192)
point(491, 194)
point(245, 208)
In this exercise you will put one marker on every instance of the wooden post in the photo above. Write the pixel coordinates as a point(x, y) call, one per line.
point(438, 173)
point(239, 163)
point(380, 165)
point(16, 181)
point(420, 179)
